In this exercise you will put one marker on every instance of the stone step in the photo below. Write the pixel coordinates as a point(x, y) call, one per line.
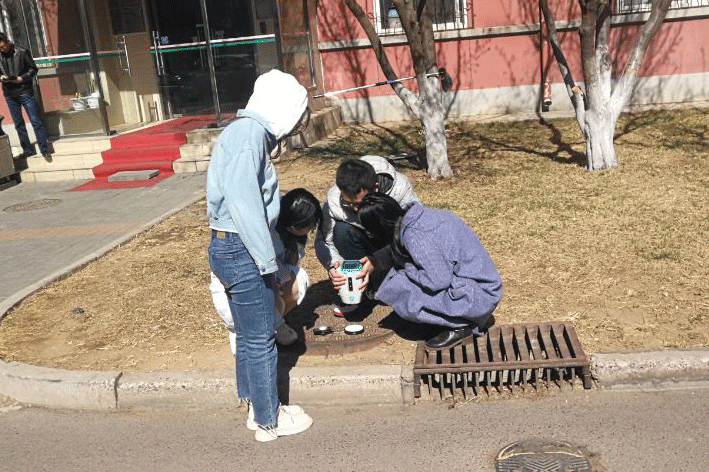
point(81, 145)
point(196, 149)
point(64, 161)
point(322, 124)
point(57, 174)
point(185, 165)
point(195, 154)
point(203, 135)
point(72, 163)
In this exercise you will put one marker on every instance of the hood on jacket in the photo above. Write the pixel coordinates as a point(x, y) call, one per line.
point(280, 100)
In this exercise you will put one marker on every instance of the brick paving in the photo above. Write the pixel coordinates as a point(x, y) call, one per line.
point(41, 241)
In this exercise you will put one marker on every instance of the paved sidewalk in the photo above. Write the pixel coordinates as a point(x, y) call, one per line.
point(73, 228)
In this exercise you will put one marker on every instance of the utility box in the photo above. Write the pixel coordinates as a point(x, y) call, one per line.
point(7, 167)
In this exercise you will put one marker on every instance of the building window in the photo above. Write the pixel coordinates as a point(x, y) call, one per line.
point(22, 23)
point(641, 6)
point(126, 16)
point(445, 14)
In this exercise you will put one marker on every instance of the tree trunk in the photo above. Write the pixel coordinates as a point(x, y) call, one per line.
point(433, 121)
point(598, 109)
point(427, 107)
point(598, 130)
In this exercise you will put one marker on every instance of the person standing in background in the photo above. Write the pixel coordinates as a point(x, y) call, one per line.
point(17, 69)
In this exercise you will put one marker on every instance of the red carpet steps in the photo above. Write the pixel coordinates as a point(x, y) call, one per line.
point(198, 149)
point(76, 158)
point(156, 147)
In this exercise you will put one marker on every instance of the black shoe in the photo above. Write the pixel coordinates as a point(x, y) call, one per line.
point(450, 338)
point(47, 155)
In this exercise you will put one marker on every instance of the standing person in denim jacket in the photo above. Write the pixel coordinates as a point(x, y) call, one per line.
point(17, 69)
point(243, 204)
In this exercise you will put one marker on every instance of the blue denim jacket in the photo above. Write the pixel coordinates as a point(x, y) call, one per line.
point(242, 188)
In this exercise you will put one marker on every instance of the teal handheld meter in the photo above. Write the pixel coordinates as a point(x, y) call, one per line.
point(350, 292)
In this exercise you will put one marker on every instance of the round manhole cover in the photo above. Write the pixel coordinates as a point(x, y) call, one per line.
point(536, 455)
point(317, 309)
point(33, 205)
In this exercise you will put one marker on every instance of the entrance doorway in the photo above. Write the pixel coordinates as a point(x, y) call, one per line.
point(241, 33)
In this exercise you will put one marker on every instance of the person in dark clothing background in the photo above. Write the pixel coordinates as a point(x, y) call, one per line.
point(18, 69)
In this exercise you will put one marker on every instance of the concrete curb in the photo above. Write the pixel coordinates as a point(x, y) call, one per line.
point(347, 385)
point(159, 390)
point(57, 388)
point(342, 385)
point(631, 369)
point(13, 300)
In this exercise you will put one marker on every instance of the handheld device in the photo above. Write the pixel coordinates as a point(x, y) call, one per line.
point(349, 292)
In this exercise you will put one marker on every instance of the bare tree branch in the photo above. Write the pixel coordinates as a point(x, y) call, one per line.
point(556, 47)
point(587, 33)
point(376, 43)
point(603, 25)
point(412, 28)
point(647, 32)
point(419, 9)
point(404, 94)
point(604, 62)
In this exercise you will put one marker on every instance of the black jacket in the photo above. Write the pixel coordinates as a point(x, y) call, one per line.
point(18, 63)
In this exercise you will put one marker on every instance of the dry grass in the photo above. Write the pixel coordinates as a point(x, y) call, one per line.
point(622, 254)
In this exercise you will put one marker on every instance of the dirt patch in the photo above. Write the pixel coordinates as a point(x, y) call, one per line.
point(621, 254)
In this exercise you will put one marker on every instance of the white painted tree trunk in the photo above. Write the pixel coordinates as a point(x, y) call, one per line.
point(598, 109)
point(427, 105)
point(599, 129)
point(433, 121)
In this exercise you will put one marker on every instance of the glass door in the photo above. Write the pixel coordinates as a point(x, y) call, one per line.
point(181, 52)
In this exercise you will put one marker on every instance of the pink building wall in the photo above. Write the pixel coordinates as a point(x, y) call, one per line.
point(499, 60)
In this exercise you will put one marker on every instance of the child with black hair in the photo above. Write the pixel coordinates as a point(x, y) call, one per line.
point(300, 215)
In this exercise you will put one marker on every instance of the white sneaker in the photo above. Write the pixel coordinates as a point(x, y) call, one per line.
point(251, 422)
point(288, 423)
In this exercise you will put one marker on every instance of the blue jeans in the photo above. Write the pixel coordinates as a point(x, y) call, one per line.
point(15, 104)
point(252, 303)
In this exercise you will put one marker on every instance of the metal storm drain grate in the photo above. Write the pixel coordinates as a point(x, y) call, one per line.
point(505, 358)
point(33, 205)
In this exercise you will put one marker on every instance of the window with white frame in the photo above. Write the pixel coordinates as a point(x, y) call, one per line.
point(640, 6)
point(22, 22)
point(445, 15)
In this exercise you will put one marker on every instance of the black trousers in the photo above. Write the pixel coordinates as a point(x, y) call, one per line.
point(353, 242)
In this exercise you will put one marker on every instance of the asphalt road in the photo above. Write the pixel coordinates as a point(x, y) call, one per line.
point(621, 431)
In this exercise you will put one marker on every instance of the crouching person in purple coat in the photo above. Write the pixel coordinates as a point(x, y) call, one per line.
point(441, 273)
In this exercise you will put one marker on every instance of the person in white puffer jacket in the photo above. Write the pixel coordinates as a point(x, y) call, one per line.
point(300, 215)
